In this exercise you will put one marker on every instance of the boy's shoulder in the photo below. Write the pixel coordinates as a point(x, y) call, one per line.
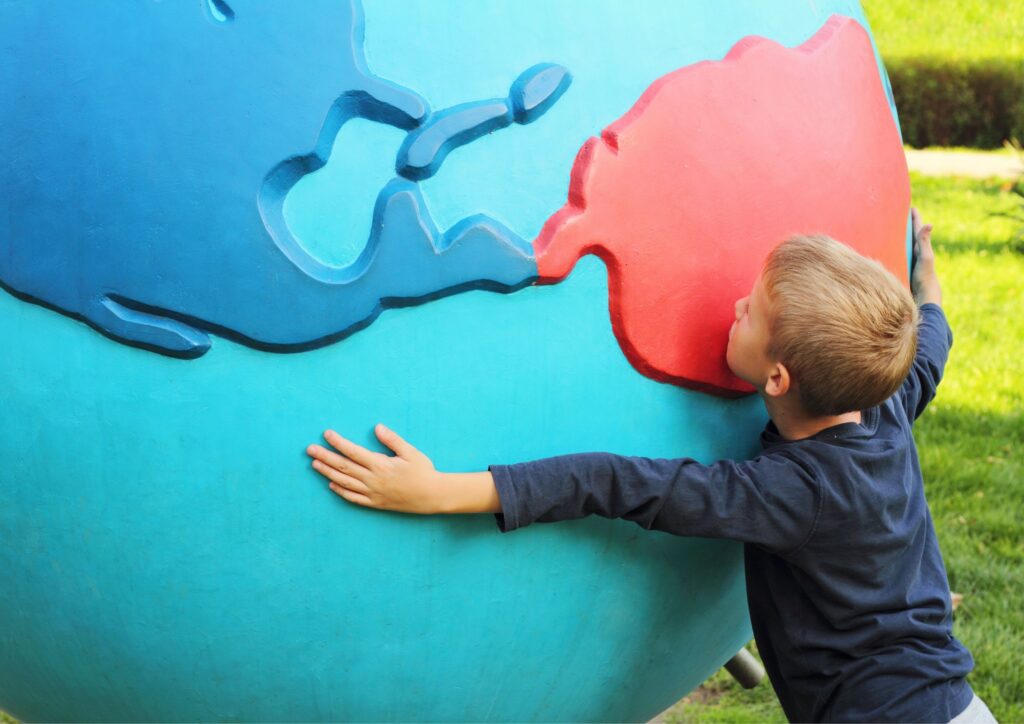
point(867, 458)
point(877, 426)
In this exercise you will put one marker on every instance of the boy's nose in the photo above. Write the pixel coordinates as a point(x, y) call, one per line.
point(739, 307)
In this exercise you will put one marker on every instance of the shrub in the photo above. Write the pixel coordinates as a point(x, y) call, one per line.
point(966, 102)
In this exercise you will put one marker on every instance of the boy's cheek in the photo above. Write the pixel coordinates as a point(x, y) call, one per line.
point(734, 360)
point(735, 342)
point(730, 354)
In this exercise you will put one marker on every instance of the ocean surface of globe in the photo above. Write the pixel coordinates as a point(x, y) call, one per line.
point(168, 554)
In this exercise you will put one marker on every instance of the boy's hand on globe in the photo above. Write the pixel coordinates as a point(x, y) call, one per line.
point(405, 482)
point(924, 281)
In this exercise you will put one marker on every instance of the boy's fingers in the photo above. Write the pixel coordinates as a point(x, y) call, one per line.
point(349, 449)
point(345, 481)
point(336, 461)
point(915, 218)
point(924, 241)
point(351, 497)
point(393, 440)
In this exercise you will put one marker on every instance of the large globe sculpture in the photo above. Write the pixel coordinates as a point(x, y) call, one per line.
point(228, 225)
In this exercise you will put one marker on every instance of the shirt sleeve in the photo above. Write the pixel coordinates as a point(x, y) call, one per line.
point(934, 338)
point(771, 501)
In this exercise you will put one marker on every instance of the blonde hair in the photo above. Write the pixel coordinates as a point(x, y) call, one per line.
point(843, 325)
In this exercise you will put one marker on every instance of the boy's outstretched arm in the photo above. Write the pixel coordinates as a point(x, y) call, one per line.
point(771, 501)
point(406, 482)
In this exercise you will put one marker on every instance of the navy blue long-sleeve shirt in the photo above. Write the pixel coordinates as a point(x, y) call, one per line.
point(848, 595)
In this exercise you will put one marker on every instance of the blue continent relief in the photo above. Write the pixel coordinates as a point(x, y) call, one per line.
point(150, 153)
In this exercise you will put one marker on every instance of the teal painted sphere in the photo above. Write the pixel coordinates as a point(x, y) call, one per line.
point(170, 555)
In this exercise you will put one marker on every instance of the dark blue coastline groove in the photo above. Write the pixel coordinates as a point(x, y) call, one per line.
point(144, 187)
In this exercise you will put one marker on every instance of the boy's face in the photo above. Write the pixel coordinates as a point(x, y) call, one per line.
point(747, 353)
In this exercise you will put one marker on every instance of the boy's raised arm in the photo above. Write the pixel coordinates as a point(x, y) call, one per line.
point(924, 281)
point(934, 336)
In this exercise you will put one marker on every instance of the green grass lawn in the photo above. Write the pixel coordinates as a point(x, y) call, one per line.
point(951, 29)
point(970, 442)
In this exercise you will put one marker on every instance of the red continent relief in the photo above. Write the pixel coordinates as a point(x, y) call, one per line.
point(716, 164)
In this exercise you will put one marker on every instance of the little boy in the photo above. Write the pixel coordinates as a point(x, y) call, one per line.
point(847, 590)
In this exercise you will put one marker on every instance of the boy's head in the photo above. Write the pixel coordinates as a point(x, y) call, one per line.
point(828, 324)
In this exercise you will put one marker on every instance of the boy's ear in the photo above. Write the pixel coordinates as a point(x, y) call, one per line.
point(778, 381)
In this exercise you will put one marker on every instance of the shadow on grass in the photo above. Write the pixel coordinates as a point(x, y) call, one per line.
point(973, 470)
point(722, 699)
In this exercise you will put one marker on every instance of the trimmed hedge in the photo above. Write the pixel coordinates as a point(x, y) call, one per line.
point(978, 102)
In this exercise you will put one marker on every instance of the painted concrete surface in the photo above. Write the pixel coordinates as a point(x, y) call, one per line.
point(174, 558)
